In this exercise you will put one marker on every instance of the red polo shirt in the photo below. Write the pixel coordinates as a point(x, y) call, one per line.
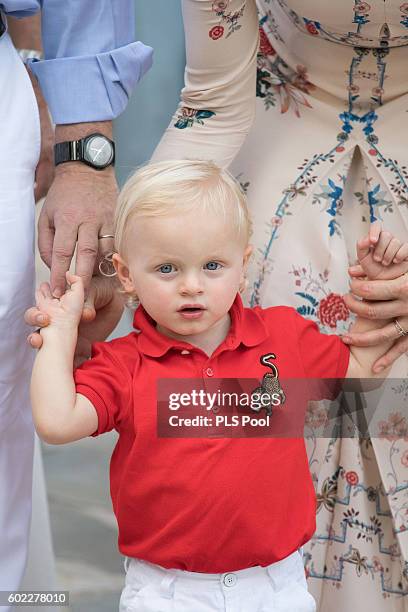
point(207, 504)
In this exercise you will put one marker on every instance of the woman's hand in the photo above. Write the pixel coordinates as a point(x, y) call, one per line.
point(381, 280)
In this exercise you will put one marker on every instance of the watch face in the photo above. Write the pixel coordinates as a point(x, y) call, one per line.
point(99, 151)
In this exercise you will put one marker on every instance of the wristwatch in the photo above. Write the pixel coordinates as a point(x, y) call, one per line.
point(95, 150)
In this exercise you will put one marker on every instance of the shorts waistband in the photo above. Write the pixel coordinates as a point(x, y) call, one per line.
point(277, 570)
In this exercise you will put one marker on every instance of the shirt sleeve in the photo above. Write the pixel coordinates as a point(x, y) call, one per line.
point(106, 382)
point(91, 61)
point(217, 104)
point(323, 356)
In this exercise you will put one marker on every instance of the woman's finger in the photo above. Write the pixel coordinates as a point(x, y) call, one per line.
point(398, 348)
point(372, 337)
point(356, 271)
point(376, 310)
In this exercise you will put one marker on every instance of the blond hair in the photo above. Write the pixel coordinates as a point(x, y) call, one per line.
point(181, 186)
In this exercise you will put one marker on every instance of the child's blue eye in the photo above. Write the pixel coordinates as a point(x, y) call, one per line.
point(166, 268)
point(212, 265)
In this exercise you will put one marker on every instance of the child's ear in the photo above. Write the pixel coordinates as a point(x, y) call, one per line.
point(247, 255)
point(243, 284)
point(123, 272)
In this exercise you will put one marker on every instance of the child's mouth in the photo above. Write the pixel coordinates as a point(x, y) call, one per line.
point(191, 311)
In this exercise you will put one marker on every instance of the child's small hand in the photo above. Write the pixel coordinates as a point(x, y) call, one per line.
point(381, 256)
point(66, 311)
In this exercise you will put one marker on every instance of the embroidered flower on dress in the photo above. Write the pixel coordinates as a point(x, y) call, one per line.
point(265, 46)
point(362, 8)
point(352, 478)
point(218, 6)
point(216, 32)
point(404, 8)
point(316, 415)
point(404, 459)
point(311, 28)
point(395, 428)
point(275, 221)
point(187, 117)
point(332, 309)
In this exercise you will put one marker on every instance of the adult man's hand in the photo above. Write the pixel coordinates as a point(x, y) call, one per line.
point(103, 309)
point(79, 206)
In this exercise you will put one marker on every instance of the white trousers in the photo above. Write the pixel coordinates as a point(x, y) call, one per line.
point(280, 587)
point(19, 152)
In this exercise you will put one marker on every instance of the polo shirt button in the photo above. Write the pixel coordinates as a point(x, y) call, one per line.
point(209, 372)
point(229, 580)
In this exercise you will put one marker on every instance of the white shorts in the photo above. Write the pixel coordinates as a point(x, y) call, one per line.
point(280, 587)
point(19, 151)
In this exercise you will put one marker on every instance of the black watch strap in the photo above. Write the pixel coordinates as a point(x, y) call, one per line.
point(68, 151)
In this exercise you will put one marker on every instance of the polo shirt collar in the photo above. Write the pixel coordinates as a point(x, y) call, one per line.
point(247, 327)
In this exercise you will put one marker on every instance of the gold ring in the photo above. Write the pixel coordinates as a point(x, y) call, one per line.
point(401, 331)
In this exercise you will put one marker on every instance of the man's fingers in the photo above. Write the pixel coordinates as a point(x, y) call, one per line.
point(398, 348)
point(45, 238)
point(35, 340)
point(87, 251)
point(63, 249)
point(374, 310)
point(100, 294)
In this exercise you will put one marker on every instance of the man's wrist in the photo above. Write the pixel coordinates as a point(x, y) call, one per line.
point(76, 131)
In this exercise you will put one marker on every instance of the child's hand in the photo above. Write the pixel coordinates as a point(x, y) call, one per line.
point(381, 256)
point(66, 311)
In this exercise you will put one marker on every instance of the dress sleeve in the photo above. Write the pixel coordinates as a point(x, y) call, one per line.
point(106, 382)
point(218, 99)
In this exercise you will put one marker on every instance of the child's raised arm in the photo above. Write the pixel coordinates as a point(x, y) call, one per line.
point(380, 259)
point(60, 414)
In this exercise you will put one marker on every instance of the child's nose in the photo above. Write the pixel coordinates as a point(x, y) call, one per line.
point(191, 285)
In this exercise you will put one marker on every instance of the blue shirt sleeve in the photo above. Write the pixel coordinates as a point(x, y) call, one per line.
point(91, 61)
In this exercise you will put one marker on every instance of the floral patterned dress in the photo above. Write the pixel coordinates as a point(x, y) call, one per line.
point(321, 150)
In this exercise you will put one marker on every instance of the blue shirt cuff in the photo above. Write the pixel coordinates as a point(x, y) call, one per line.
point(91, 88)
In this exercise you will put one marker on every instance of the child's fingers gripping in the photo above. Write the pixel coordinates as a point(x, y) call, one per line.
point(46, 290)
point(402, 253)
point(382, 244)
point(76, 288)
point(363, 248)
point(390, 252)
point(374, 232)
